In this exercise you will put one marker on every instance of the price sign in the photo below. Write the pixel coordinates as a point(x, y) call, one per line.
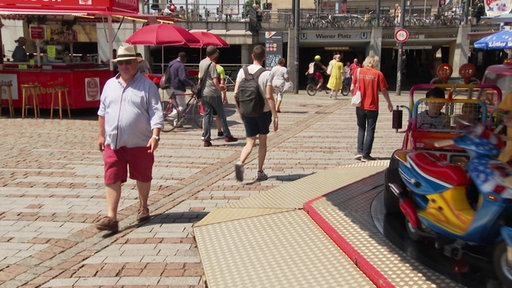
point(401, 35)
point(37, 32)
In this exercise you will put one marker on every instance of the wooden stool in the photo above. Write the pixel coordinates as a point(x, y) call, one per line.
point(26, 91)
point(8, 86)
point(59, 90)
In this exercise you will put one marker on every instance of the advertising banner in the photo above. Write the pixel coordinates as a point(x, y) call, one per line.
point(9, 79)
point(92, 89)
point(497, 7)
point(274, 48)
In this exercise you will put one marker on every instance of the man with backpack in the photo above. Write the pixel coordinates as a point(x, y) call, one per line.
point(256, 105)
point(316, 72)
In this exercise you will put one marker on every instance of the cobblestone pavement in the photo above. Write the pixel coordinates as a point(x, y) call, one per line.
point(51, 193)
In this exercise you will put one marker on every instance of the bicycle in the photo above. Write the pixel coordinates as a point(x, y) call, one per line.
point(311, 88)
point(230, 84)
point(345, 88)
point(174, 117)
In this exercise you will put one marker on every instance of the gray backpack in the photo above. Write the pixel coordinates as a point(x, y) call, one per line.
point(249, 98)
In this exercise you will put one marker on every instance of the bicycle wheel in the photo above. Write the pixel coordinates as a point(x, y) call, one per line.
point(311, 89)
point(171, 118)
point(345, 89)
point(196, 116)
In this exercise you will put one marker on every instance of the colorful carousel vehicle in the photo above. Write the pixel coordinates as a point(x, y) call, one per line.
point(446, 179)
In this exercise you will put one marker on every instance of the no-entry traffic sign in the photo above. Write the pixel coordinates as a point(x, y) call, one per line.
point(401, 35)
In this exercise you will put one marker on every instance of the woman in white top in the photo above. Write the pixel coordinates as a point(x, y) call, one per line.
point(279, 76)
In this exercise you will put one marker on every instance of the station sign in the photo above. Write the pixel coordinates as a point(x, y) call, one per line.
point(333, 36)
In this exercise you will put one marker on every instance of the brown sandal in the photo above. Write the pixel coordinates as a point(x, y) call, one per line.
point(107, 224)
point(143, 215)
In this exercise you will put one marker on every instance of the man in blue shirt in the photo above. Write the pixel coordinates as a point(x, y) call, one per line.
point(178, 79)
point(130, 119)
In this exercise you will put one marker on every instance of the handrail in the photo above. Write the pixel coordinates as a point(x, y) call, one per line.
point(499, 93)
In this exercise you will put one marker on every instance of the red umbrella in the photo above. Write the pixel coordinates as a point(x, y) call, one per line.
point(209, 39)
point(163, 35)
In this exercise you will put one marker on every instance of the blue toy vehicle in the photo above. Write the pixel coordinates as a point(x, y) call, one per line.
point(447, 182)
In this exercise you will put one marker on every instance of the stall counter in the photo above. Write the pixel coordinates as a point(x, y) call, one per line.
point(85, 85)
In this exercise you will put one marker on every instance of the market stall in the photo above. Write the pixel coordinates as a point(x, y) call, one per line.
point(55, 28)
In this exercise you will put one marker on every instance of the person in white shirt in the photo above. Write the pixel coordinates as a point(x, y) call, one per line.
point(279, 76)
point(257, 127)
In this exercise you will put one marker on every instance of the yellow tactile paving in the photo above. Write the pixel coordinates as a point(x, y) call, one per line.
point(229, 214)
point(266, 241)
point(277, 250)
point(296, 193)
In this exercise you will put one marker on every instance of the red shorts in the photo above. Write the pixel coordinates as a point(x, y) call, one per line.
point(318, 76)
point(138, 159)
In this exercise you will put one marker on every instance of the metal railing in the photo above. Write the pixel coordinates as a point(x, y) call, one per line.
point(336, 21)
point(183, 10)
point(310, 19)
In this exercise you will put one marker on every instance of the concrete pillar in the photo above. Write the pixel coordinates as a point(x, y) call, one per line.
point(293, 69)
point(246, 54)
point(375, 42)
point(461, 50)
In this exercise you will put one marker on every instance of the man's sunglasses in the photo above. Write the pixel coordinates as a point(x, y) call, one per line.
point(124, 62)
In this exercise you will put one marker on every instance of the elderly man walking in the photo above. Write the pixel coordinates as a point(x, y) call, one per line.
point(130, 118)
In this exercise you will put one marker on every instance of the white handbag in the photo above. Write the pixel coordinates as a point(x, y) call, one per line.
point(356, 98)
point(288, 86)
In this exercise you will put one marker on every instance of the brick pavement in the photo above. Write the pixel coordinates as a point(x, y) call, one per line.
point(51, 193)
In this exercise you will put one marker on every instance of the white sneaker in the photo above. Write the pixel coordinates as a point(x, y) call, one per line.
point(358, 157)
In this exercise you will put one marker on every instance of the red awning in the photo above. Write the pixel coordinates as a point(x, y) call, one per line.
point(70, 6)
point(85, 16)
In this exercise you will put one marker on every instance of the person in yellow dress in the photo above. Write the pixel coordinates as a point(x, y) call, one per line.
point(335, 81)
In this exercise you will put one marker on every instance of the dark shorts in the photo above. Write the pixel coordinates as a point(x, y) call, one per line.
point(258, 125)
point(137, 159)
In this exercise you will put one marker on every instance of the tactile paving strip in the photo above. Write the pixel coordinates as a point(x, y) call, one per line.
point(267, 240)
point(348, 212)
point(220, 215)
point(278, 250)
point(294, 194)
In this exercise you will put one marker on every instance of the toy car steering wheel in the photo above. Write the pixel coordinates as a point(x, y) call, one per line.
point(427, 126)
